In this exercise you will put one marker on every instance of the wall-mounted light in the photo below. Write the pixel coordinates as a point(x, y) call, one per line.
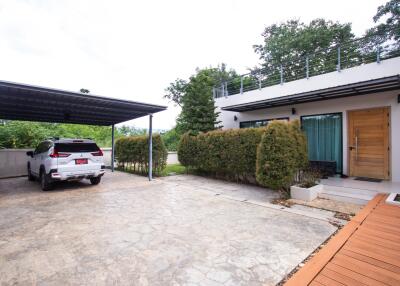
point(293, 111)
point(235, 118)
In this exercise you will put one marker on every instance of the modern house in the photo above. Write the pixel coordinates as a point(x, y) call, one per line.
point(349, 110)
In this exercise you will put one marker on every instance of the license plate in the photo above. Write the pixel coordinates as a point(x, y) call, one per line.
point(80, 161)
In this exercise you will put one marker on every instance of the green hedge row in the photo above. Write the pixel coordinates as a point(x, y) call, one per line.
point(272, 155)
point(229, 153)
point(132, 153)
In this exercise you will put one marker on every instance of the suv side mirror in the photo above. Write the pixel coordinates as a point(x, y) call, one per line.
point(29, 153)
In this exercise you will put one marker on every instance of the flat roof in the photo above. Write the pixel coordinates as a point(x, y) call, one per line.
point(35, 103)
point(359, 88)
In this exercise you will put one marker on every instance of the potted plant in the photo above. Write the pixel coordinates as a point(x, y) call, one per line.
point(306, 187)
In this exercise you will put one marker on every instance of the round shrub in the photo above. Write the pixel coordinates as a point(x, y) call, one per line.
point(276, 156)
point(188, 150)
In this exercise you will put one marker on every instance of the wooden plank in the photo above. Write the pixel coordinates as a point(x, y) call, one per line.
point(375, 244)
point(311, 269)
point(364, 212)
point(340, 278)
point(327, 281)
point(354, 275)
point(377, 248)
point(378, 241)
point(374, 253)
point(367, 269)
point(385, 221)
point(371, 260)
point(314, 283)
point(380, 234)
point(382, 227)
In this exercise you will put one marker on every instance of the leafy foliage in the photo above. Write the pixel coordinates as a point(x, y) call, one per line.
point(132, 154)
point(386, 33)
point(171, 139)
point(230, 153)
point(278, 158)
point(20, 134)
point(195, 97)
point(188, 151)
point(291, 41)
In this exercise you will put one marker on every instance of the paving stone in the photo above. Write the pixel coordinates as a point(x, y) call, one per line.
point(128, 231)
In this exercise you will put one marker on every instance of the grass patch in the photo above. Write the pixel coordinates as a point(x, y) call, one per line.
point(173, 169)
point(170, 170)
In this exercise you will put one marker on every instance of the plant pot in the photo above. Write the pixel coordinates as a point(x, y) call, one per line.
point(305, 194)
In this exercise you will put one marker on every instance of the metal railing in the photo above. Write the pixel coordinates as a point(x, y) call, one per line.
point(336, 58)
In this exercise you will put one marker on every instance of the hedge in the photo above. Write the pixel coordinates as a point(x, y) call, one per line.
point(132, 153)
point(229, 153)
point(281, 154)
point(272, 155)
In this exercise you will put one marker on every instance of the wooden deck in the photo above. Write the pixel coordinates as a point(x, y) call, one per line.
point(365, 252)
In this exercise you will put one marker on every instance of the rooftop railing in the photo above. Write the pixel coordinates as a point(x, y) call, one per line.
point(341, 56)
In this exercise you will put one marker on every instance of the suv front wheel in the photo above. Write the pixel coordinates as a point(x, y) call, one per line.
point(45, 182)
point(30, 176)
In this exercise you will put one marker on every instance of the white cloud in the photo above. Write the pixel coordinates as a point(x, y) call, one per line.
point(133, 49)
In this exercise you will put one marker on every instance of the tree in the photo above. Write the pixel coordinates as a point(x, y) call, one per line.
point(195, 97)
point(387, 30)
point(21, 134)
point(290, 42)
point(171, 139)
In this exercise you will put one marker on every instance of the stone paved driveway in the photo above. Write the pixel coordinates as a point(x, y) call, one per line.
point(128, 231)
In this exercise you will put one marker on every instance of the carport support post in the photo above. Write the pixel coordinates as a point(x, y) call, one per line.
point(150, 147)
point(112, 149)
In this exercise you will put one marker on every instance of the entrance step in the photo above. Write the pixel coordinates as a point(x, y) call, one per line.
point(350, 190)
point(349, 195)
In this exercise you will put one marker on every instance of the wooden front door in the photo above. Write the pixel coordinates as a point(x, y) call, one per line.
point(368, 139)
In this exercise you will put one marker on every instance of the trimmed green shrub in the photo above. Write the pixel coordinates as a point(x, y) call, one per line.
point(229, 153)
point(300, 139)
point(132, 154)
point(280, 155)
point(188, 150)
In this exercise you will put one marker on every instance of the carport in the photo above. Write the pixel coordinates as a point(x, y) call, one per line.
point(35, 103)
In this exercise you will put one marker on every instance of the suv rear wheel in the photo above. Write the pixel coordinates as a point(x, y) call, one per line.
point(95, 180)
point(44, 181)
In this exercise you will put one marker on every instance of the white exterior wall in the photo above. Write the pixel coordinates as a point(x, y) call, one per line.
point(362, 73)
point(13, 162)
point(341, 105)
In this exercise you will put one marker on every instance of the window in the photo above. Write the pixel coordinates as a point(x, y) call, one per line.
point(259, 123)
point(76, 147)
point(324, 138)
point(43, 147)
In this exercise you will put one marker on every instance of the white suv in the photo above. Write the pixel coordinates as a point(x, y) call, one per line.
point(65, 159)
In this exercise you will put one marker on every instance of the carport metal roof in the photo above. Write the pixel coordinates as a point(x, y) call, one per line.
point(34, 103)
point(359, 88)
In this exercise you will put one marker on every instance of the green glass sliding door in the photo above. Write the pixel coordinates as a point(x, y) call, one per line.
point(324, 136)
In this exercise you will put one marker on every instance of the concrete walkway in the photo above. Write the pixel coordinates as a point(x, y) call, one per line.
point(128, 231)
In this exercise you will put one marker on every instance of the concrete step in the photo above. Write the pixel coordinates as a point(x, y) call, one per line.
point(350, 190)
point(359, 199)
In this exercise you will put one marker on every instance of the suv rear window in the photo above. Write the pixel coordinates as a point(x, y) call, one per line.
point(76, 147)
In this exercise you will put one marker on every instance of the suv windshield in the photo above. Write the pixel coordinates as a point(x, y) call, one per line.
point(76, 147)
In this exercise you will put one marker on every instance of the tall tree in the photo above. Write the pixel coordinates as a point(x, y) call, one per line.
point(195, 98)
point(386, 30)
point(291, 41)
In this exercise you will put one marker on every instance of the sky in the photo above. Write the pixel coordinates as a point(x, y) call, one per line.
point(134, 49)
